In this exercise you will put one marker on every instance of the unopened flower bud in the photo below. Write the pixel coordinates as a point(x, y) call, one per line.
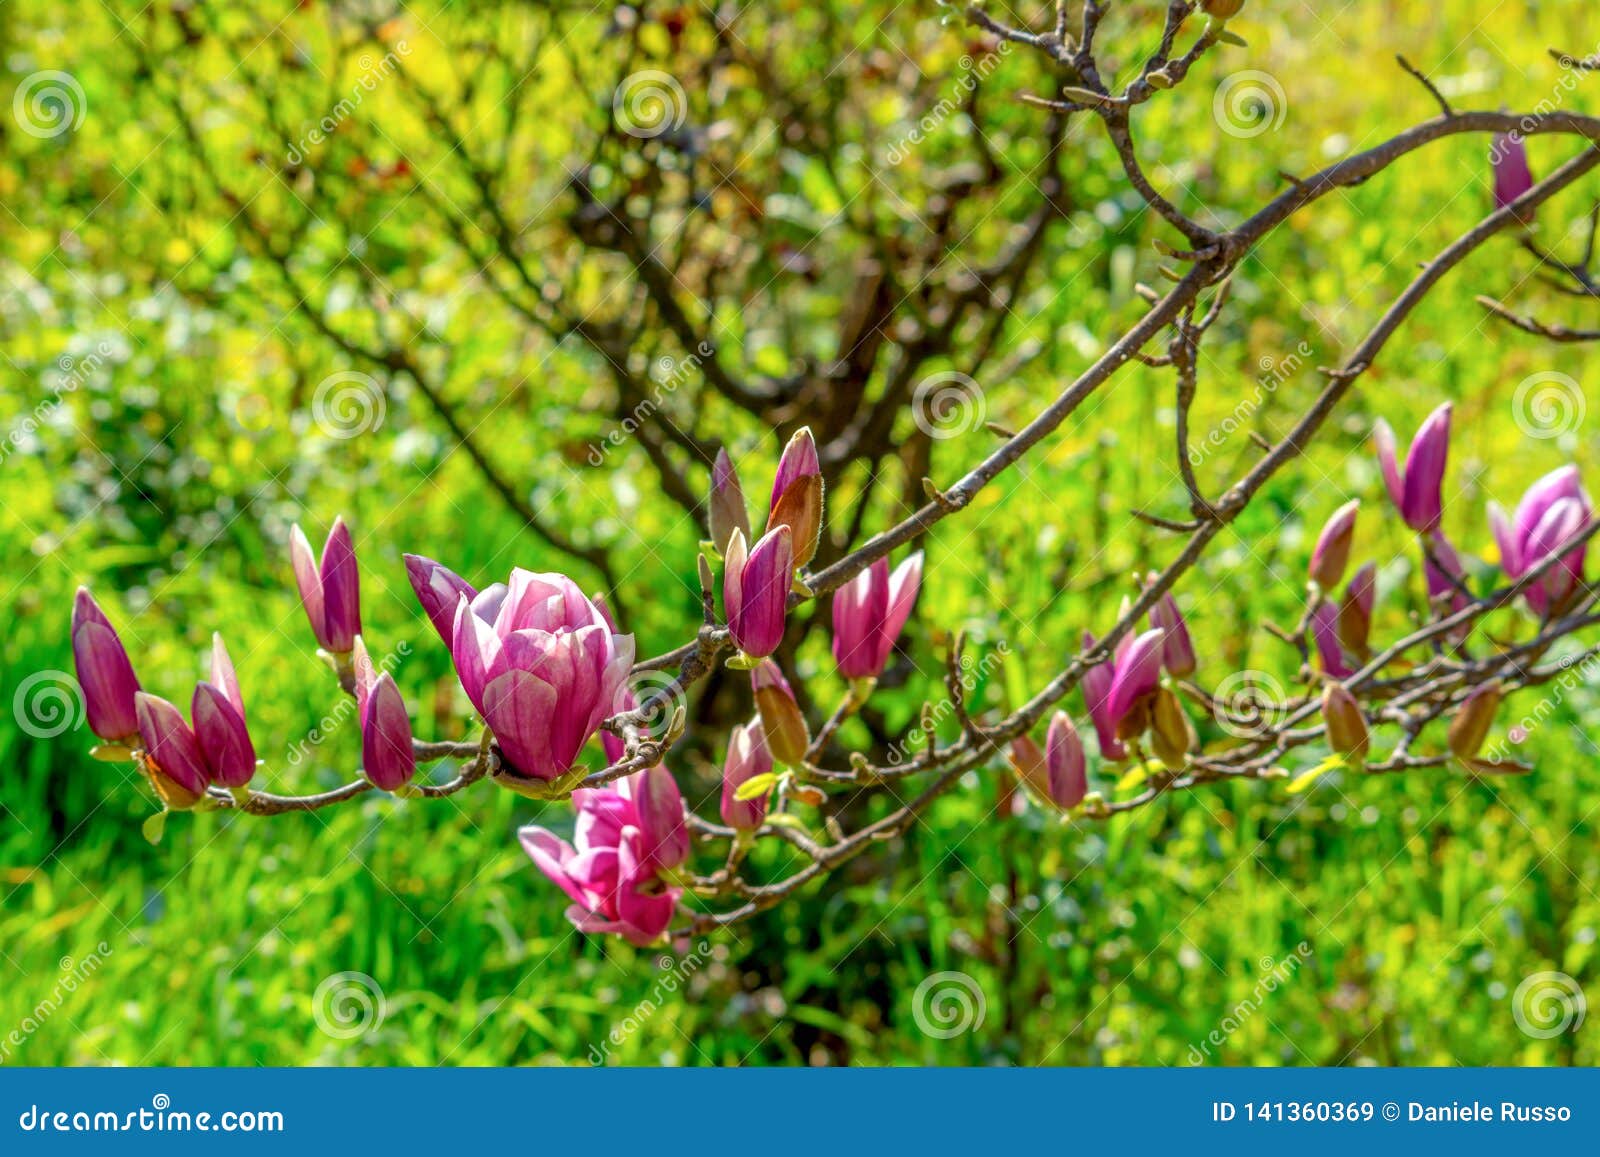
point(1222, 9)
point(1332, 551)
point(726, 509)
point(1347, 726)
point(1058, 774)
point(748, 756)
point(781, 718)
point(1355, 611)
point(1177, 648)
point(104, 673)
point(1508, 162)
point(797, 496)
point(1135, 675)
point(1172, 735)
point(663, 835)
point(1473, 719)
point(755, 590)
point(1325, 633)
point(1416, 489)
point(1066, 769)
point(330, 587)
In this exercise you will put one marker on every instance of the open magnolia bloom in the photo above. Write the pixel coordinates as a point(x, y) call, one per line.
point(623, 841)
point(1554, 510)
point(544, 672)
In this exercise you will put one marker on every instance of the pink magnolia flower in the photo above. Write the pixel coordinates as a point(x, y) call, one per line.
point(1552, 511)
point(869, 612)
point(104, 672)
point(755, 590)
point(1116, 691)
point(330, 590)
point(1508, 159)
point(614, 746)
point(1325, 633)
point(608, 871)
point(748, 757)
point(664, 836)
point(1331, 554)
point(726, 508)
point(1418, 492)
point(797, 496)
point(172, 753)
point(218, 713)
point(439, 588)
point(1177, 648)
point(543, 674)
point(1058, 773)
point(387, 757)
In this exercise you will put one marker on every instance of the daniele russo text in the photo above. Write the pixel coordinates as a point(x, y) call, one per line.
point(1482, 1111)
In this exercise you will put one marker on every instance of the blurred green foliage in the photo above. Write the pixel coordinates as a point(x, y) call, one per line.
point(168, 475)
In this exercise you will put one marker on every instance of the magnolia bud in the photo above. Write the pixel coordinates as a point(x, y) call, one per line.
point(1027, 760)
point(781, 718)
point(1172, 735)
point(748, 757)
point(1066, 770)
point(1347, 726)
point(1332, 551)
point(726, 508)
point(1473, 718)
point(1177, 648)
point(1354, 626)
point(797, 496)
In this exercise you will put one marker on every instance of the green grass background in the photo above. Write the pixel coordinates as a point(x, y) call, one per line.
point(1424, 900)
